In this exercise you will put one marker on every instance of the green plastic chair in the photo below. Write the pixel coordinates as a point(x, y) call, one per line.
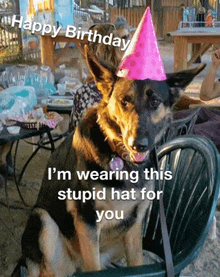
point(190, 200)
point(180, 127)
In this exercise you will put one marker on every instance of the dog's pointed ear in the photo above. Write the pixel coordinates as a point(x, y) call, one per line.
point(180, 80)
point(183, 78)
point(103, 77)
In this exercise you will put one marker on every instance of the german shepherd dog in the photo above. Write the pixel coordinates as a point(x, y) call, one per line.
point(63, 236)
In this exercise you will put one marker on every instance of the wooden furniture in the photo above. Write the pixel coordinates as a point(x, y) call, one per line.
point(48, 47)
point(200, 38)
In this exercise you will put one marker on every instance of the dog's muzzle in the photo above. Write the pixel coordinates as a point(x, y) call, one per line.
point(140, 145)
point(142, 148)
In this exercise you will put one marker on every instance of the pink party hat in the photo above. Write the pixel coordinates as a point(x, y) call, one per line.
point(142, 58)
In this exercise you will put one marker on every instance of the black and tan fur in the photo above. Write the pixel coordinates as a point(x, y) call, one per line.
point(62, 237)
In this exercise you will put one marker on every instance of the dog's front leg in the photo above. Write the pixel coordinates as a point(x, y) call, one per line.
point(133, 245)
point(88, 239)
point(89, 244)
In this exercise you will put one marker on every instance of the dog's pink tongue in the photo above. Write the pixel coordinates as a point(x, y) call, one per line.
point(139, 157)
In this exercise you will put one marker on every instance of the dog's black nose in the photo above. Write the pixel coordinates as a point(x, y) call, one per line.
point(140, 145)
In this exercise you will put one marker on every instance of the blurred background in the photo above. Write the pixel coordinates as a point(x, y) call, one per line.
point(19, 46)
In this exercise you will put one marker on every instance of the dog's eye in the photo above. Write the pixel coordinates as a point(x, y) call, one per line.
point(125, 101)
point(154, 103)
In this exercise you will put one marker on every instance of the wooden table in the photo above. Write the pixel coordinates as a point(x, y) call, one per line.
point(200, 38)
point(48, 47)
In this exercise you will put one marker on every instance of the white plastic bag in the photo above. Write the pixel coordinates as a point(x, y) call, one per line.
point(17, 100)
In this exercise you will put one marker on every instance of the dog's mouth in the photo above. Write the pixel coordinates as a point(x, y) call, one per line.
point(140, 152)
point(125, 151)
point(140, 156)
point(137, 157)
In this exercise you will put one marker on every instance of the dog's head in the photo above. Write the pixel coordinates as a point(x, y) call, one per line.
point(134, 114)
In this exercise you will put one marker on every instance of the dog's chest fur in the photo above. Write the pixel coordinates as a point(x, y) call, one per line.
point(131, 206)
point(133, 209)
point(112, 231)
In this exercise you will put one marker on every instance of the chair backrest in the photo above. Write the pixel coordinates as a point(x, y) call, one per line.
point(190, 197)
point(179, 127)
